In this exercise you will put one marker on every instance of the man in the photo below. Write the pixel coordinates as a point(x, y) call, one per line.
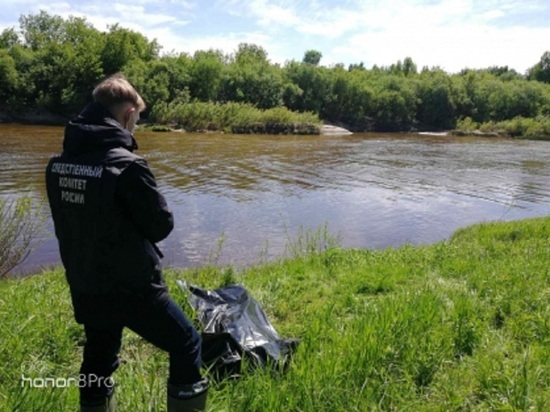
point(108, 215)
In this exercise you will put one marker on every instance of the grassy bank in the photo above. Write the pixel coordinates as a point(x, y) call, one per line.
point(458, 325)
point(519, 127)
point(240, 118)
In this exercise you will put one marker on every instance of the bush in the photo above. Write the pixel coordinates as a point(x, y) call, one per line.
point(467, 125)
point(520, 127)
point(19, 226)
point(237, 118)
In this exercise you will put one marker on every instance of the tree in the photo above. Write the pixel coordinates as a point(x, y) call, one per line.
point(250, 54)
point(354, 66)
point(162, 80)
point(206, 75)
point(436, 108)
point(42, 29)
point(313, 85)
point(312, 57)
point(394, 106)
point(122, 46)
point(515, 99)
point(251, 79)
point(504, 72)
point(9, 38)
point(541, 70)
point(8, 76)
point(409, 67)
point(67, 66)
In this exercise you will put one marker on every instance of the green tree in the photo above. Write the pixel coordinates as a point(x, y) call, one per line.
point(409, 67)
point(248, 53)
point(24, 94)
point(350, 100)
point(9, 38)
point(504, 73)
point(8, 77)
point(251, 79)
point(312, 57)
point(541, 70)
point(42, 29)
point(354, 66)
point(312, 84)
point(206, 75)
point(66, 70)
point(436, 107)
point(162, 80)
point(395, 104)
point(515, 99)
point(122, 46)
point(360, 102)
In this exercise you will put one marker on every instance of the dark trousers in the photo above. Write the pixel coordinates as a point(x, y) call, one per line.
point(158, 320)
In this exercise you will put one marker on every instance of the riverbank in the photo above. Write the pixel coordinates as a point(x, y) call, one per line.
point(461, 323)
point(243, 118)
point(33, 117)
point(519, 127)
point(201, 117)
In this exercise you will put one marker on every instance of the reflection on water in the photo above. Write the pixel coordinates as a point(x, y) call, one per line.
point(256, 191)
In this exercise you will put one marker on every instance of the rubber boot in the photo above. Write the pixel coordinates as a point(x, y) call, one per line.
point(108, 404)
point(188, 398)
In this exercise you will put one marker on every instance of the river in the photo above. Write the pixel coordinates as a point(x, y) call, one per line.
point(239, 199)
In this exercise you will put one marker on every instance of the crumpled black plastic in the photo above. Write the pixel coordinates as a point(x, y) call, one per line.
point(235, 328)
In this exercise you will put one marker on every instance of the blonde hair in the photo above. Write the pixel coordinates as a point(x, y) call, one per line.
point(115, 91)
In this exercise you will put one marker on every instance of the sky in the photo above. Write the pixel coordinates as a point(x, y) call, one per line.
point(450, 34)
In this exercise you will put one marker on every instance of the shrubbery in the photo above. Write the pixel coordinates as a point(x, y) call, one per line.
point(520, 127)
point(235, 118)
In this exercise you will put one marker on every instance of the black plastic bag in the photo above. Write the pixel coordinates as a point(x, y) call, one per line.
point(234, 327)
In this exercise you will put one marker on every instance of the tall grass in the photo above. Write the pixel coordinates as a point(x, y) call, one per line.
point(458, 325)
point(20, 224)
point(236, 118)
point(519, 127)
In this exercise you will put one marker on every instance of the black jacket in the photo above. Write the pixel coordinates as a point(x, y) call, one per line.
point(107, 211)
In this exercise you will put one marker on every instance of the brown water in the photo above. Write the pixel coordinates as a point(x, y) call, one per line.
point(255, 192)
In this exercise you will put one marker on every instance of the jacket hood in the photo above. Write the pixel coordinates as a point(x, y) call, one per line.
point(95, 128)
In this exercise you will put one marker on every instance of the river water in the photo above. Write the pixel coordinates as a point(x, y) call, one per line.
point(239, 199)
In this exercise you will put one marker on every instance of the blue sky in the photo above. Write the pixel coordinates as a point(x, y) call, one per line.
point(451, 34)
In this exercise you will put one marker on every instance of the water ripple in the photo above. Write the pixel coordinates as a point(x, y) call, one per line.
point(256, 191)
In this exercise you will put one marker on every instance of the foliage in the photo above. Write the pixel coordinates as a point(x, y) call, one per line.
point(467, 125)
point(123, 46)
point(249, 78)
point(52, 64)
point(461, 324)
point(206, 73)
point(236, 118)
point(312, 57)
point(19, 226)
point(520, 127)
point(436, 106)
point(541, 70)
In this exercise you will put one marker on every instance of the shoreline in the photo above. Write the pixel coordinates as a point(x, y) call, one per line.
point(413, 321)
point(41, 269)
point(36, 118)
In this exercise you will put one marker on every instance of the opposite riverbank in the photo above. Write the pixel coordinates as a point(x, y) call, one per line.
point(460, 324)
point(243, 118)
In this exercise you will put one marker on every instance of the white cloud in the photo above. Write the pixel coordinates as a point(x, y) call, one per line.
point(452, 48)
point(227, 43)
point(452, 34)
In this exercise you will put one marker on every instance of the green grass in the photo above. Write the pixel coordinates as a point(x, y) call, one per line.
point(461, 325)
point(239, 118)
point(537, 128)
